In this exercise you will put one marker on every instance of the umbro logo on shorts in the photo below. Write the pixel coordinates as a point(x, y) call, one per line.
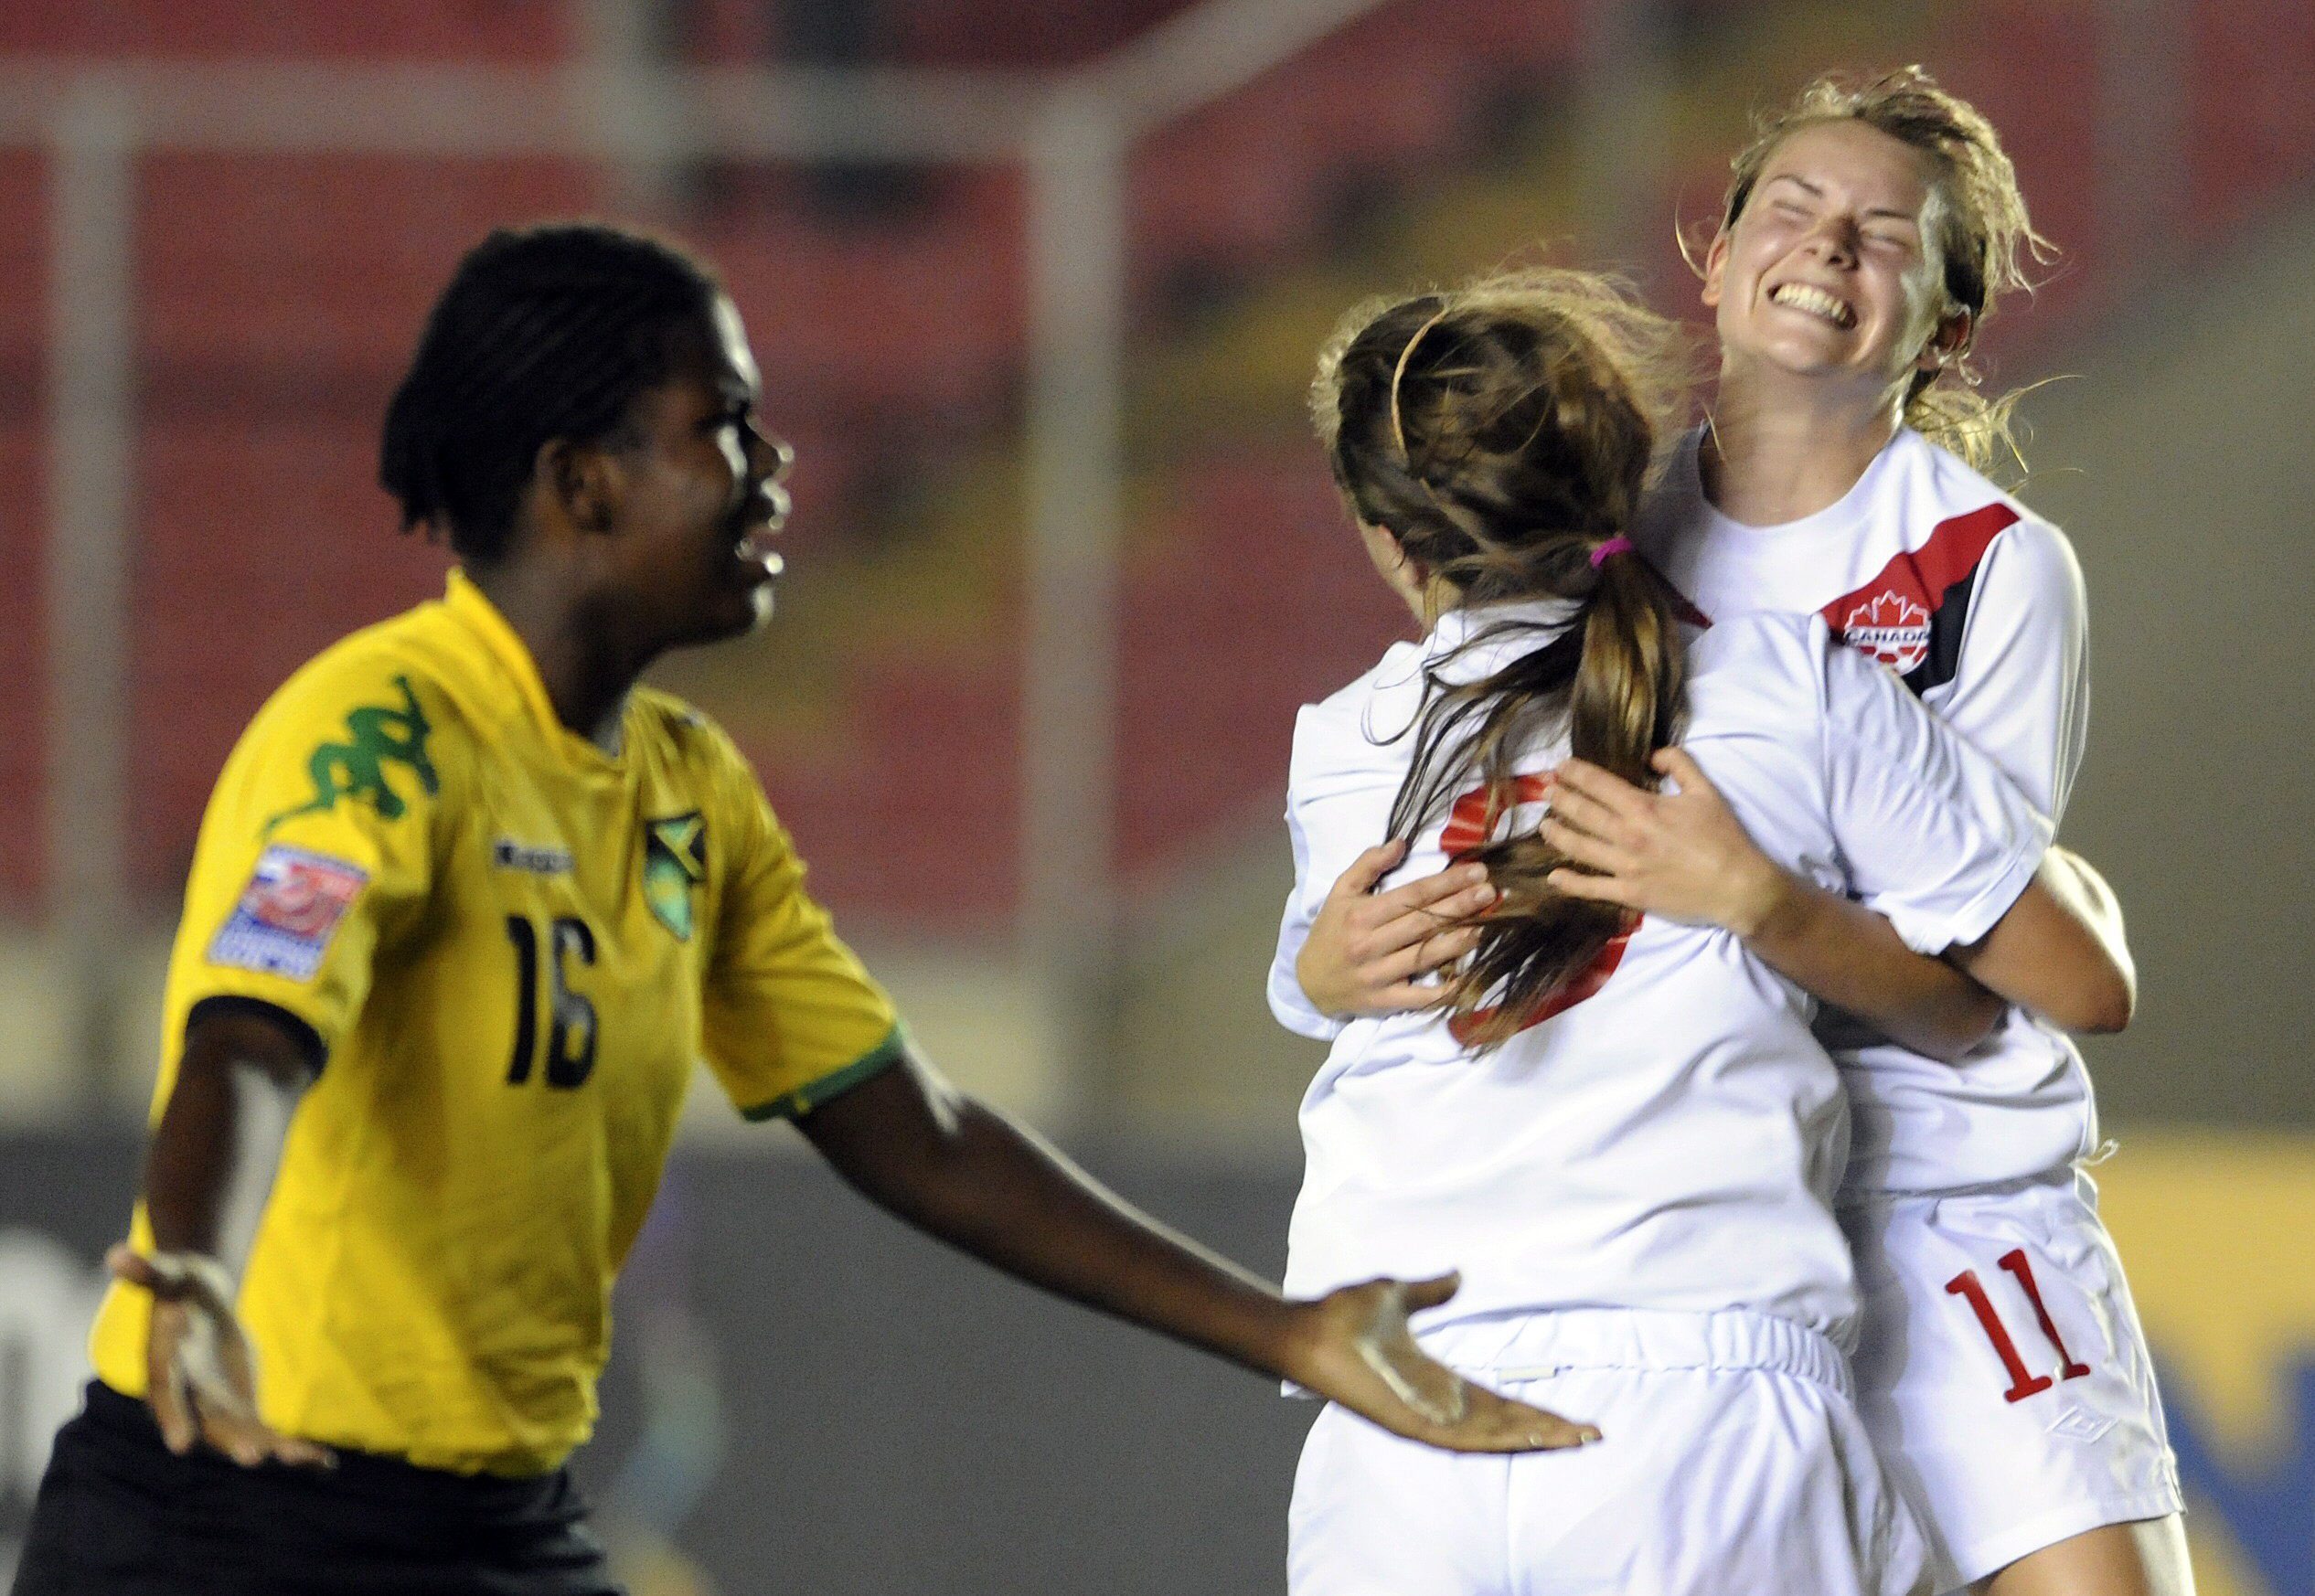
point(2076, 1425)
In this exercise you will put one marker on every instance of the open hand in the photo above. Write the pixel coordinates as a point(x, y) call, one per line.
point(1357, 1350)
point(1681, 856)
point(200, 1371)
point(1368, 953)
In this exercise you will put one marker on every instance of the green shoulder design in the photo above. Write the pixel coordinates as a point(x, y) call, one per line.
point(376, 737)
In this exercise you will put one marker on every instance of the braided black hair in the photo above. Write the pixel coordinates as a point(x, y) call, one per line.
point(544, 332)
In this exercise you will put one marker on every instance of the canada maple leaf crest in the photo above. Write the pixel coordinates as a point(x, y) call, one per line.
point(1890, 628)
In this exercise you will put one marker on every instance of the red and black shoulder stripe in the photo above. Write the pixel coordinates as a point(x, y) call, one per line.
point(1911, 615)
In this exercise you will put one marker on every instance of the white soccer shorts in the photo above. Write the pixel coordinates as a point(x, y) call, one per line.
point(2002, 1374)
point(1734, 1464)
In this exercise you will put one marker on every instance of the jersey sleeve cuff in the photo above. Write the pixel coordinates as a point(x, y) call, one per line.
point(795, 1104)
point(1297, 1015)
point(1291, 1009)
point(1980, 914)
point(301, 1030)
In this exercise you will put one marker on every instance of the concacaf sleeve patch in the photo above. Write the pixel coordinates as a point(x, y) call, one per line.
point(287, 913)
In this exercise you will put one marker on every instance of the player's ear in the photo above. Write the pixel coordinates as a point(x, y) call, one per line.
point(581, 481)
point(1716, 264)
point(1949, 343)
point(1389, 555)
point(1400, 571)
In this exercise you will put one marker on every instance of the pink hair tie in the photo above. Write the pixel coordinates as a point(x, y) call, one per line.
point(1616, 544)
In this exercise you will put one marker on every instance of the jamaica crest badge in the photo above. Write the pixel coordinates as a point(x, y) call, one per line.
point(675, 861)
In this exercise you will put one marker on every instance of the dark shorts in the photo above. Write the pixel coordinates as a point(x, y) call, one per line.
point(119, 1514)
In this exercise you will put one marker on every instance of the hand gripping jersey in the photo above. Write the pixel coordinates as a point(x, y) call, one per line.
point(1978, 606)
point(511, 948)
point(1669, 1139)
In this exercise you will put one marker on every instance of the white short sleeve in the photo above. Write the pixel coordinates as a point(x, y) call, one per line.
point(1932, 835)
point(1292, 1009)
point(2021, 693)
point(1339, 790)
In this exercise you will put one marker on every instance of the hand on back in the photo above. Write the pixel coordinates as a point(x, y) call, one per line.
point(1680, 854)
point(1372, 953)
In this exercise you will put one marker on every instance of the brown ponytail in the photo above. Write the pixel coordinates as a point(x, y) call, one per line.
point(1503, 434)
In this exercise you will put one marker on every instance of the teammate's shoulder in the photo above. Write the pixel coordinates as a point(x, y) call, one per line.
point(1386, 694)
point(1736, 644)
point(2042, 548)
point(1760, 675)
point(1399, 674)
point(1958, 488)
point(1667, 515)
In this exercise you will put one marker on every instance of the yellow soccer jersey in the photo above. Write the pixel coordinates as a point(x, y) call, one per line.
point(512, 948)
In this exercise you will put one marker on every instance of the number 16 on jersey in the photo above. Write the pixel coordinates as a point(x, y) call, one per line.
point(571, 1035)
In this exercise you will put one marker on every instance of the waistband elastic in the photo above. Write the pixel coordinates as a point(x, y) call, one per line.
point(2073, 1183)
point(129, 1424)
point(1534, 1346)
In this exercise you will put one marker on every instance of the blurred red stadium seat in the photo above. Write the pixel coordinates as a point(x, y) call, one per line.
point(441, 30)
point(279, 295)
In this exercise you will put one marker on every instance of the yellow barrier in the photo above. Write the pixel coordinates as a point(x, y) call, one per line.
point(2217, 1230)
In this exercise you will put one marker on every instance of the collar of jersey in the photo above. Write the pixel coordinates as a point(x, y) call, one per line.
point(472, 608)
point(1458, 627)
point(1836, 521)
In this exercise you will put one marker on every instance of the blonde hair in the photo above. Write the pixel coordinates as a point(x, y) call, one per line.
point(1986, 242)
point(1504, 432)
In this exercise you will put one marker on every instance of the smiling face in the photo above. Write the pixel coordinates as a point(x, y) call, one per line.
point(700, 494)
point(1831, 270)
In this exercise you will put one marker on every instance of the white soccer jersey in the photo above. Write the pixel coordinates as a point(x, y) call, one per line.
point(1978, 604)
point(1670, 1138)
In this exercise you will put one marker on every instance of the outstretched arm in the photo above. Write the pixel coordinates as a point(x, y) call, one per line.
point(958, 1170)
point(207, 1178)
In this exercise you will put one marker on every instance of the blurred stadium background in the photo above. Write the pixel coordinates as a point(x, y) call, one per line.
point(1036, 285)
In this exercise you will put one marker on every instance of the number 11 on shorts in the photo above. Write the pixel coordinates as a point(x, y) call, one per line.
point(2023, 1382)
